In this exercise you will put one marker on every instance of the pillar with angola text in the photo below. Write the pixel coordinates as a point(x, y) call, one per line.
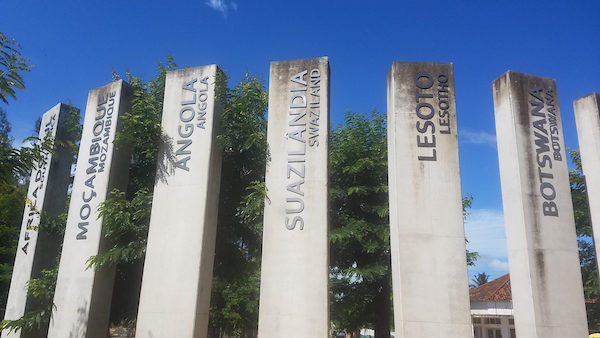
point(587, 117)
point(538, 212)
point(176, 285)
point(47, 193)
point(429, 271)
point(83, 296)
point(295, 256)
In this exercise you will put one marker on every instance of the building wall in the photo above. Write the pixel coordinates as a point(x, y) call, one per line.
point(496, 317)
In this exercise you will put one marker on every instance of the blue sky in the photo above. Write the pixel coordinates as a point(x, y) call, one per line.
point(73, 45)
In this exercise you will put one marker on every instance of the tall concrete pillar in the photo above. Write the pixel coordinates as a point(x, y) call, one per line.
point(429, 271)
point(538, 212)
point(83, 296)
point(294, 288)
point(176, 284)
point(587, 117)
point(47, 193)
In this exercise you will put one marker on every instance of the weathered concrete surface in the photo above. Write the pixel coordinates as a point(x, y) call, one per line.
point(587, 117)
point(83, 296)
point(538, 212)
point(429, 272)
point(48, 193)
point(176, 284)
point(294, 298)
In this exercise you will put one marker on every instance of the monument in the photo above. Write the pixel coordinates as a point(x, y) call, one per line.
point(587, 117)
point(47, 193)
point(176, 284)
point(429, 272)
point(83, 296)
point(294, 291)
point(542, 248)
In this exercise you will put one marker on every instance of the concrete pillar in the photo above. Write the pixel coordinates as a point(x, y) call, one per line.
point(83, 296)
point(47, 192)
point(294, 291)
point(429, 271)
point(176, 285)
point(505, 326)
point(587, 117)
point(538, 212)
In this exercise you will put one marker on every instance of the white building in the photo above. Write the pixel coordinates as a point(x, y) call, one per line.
point(491, 309)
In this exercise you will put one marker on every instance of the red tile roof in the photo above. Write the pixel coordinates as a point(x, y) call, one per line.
point(497, 290)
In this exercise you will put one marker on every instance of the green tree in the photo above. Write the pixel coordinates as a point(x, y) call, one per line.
point(19, 162)
point(40, 288)
point(583, 226)
point(127, 214)
point(234, 304)
point(236, 281)
point(480, 279)
point(360, 270)
point(5, 128)
point(12, 64)
point(467, 201)
point(12, 203)
point(360, 240)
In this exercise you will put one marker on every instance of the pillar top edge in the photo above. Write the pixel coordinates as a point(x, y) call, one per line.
point(592, 94)
point(322, 59)
point(512, 73)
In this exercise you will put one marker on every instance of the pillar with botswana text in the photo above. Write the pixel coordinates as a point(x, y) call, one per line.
point(83, 295)
point(47, 193)
point(176, 285)
point(295, 256)
point(542, 248)
point(587, 117)
point(429, 271)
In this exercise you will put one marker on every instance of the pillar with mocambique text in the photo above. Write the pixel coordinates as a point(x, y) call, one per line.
point(47, 193)
point(587, 117)
point(294, 291)
point(542, 248)
point(429, 271)
point(176, 284)
point(83, 296)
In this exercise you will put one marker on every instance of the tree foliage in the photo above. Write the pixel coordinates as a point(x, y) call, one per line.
point(14, 161)
point(12, 65)
point(480, 279)
point(12, 202)
point(360, 280)
point(17, 163)
point(5, 129)
point(127, 222)
point(40, 288)
point(467, 201)
point(127, 214)
point(583, 226)
point(236, 280)
point(360, 269)
point(234, 305)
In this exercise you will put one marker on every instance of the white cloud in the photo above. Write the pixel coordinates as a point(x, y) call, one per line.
point(484, 228)
point(479, 137)
point(221, 6)
point(498, 265)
